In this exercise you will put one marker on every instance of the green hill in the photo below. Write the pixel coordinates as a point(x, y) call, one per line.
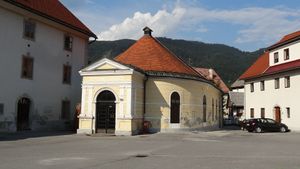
point(228, 61)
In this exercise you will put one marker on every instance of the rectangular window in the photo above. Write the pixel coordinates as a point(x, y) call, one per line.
point(286, 54)
point(27, 67)
point(65, 110)
point(288, 113)
point(252, 87)
point(252, 113)
point(262, 112)
point(67, 71)
point(1, 108)
point(287, 82)
point(29, 29)
point(276, 58)
point(68, 42)
point(277, 83)
point(262, 85)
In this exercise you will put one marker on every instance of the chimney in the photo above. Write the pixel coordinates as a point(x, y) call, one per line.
point(210, 74)
point(147, 31)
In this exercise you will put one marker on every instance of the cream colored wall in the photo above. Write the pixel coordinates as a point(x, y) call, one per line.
point(271, 97)
point(294, 50)
point(128, 90)
point(191, 93)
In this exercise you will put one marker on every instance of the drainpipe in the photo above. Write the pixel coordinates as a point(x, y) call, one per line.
point(144, 101)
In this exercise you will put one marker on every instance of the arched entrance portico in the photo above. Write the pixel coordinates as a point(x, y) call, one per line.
point(105, 112)
point(23, 109)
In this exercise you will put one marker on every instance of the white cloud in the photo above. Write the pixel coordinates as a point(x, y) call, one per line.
point(264, 25)
point(161, 22)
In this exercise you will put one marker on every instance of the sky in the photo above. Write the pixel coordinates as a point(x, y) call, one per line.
point(245, 24)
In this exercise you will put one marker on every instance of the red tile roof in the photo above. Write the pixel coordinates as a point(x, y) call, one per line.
point(149, 54)
point(283, 67)
point(216, 79)
point(258, 68)
point(261, 67)
point(53, 10)
point(286, 38)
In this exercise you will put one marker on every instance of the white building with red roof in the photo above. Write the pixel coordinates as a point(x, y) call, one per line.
point(148, 88)
point(272, 83)
point(43, 46)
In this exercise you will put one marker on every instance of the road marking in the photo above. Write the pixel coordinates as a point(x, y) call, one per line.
point(55, 161)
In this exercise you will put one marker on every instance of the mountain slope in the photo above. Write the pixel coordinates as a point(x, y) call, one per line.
point(229, 62)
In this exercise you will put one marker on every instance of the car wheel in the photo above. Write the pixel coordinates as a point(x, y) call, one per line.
point(258, 130)
point(282, 129)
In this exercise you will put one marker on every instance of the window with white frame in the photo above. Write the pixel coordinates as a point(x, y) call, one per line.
point(29, 29)
point(277, 83)
point(68, 42)
point(252, 87)
point(251, 112)
point(276, 57)
point(262, 85)
point(287, 82)
point(288, 112)
point(286, 54)
point(262, 112)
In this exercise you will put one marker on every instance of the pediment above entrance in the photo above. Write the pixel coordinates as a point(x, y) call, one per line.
point(106, 66)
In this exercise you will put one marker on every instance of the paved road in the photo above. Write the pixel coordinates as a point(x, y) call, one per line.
point(198, 150)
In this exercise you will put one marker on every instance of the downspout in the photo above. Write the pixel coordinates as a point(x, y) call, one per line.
point(144, 102)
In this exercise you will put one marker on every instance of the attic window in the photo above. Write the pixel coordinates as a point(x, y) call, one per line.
point(68, 42)
point(276, 58)
point(286, 54)
point(29, 29)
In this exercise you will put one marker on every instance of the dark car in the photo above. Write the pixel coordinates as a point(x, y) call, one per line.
point(265, 125)
point(243, 124)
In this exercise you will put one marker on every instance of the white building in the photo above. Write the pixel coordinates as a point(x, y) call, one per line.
point(272, 83)
point(43, 46)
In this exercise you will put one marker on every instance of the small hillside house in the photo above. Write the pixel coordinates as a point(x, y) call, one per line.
point(272, 83)
point(149, 83)
point(42, 48)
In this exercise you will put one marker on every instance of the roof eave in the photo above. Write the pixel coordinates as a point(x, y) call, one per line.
point(283, 43)
point(269, 74)
point(88, 33)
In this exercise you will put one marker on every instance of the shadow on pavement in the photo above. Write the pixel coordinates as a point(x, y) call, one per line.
point(31, 134)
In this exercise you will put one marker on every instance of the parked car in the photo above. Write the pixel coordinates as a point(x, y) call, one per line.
point(259, 125)
point(243, 124)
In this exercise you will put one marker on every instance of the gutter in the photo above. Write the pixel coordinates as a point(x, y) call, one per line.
point(90, 42)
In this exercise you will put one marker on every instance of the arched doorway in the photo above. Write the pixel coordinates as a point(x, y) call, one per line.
point(175, 108)
point(105, 112)
point(23, 114)
point(277, 114)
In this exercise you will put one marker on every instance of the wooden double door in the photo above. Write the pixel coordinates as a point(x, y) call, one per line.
point(106, 112)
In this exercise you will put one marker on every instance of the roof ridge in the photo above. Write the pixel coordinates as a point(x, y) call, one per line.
point(190, 67)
